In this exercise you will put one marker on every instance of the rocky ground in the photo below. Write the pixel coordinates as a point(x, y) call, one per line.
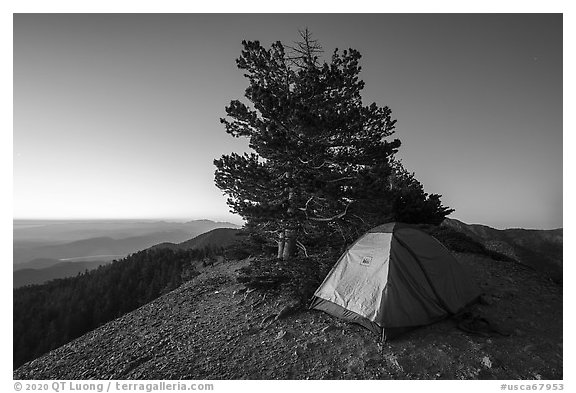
point(213, 328)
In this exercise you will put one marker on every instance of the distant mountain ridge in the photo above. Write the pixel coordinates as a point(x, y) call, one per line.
point(69, 231)
point(92, 247)
point(38, 271)
point(220, 237)
point(76, 240)
point(542, 250)
point(30, 276)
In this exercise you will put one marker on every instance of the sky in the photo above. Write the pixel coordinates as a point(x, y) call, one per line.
point(117, 115)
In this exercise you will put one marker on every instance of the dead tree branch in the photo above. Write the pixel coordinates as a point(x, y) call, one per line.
point(299, 244)
point(335, 217)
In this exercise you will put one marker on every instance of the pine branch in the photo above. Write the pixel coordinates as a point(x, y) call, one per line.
point(315, 167)
point(340, 179)
point(305, 208)
point(328, 219)
point(299, 244)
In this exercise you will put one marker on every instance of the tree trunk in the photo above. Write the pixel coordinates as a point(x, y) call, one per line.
point(289, 244)
point(289, 233)
point(281, 244)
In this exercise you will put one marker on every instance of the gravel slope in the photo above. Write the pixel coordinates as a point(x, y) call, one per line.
point(210, 328)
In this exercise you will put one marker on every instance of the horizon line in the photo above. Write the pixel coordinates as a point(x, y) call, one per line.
point(242, 221)
point(172, 219)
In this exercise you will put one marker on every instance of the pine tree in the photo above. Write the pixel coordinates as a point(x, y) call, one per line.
point(315, 142)
point(410, 203)
point(322, 160)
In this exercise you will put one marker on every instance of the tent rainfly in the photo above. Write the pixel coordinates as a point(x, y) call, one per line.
point(395, 278)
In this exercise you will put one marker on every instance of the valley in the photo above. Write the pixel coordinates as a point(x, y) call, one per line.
point(46, 250)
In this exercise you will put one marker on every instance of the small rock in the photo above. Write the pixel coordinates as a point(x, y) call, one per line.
point(240, 291)
point(392, 361)
point(310, 345)
point(486, 362)
point(355, 366)
point(329, 328)
point(284, 334)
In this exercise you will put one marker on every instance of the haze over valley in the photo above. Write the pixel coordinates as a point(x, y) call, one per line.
point(45, 250)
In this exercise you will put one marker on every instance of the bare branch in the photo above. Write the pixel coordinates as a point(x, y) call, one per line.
point(361, 219)
point(305, 208)
point(337, 216)
point(341, 232)
point(340, 179)
point(310, 161)
point(302, 247)
point(305, 50)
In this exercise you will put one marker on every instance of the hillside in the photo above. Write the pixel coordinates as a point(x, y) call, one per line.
point(52, 314)
point(30, 276)
point(220, 237)
point(541, 250)
point(61, 309)
point(211, 327)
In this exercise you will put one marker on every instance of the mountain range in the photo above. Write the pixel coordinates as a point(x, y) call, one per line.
point(38, 232)
point(40, 257)
point(30, 276)
point(47, 250)
point(99, 239)
point(220, 237)
point(541, 250)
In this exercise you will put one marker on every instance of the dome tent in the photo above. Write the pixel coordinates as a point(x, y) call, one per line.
point(394, 278)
